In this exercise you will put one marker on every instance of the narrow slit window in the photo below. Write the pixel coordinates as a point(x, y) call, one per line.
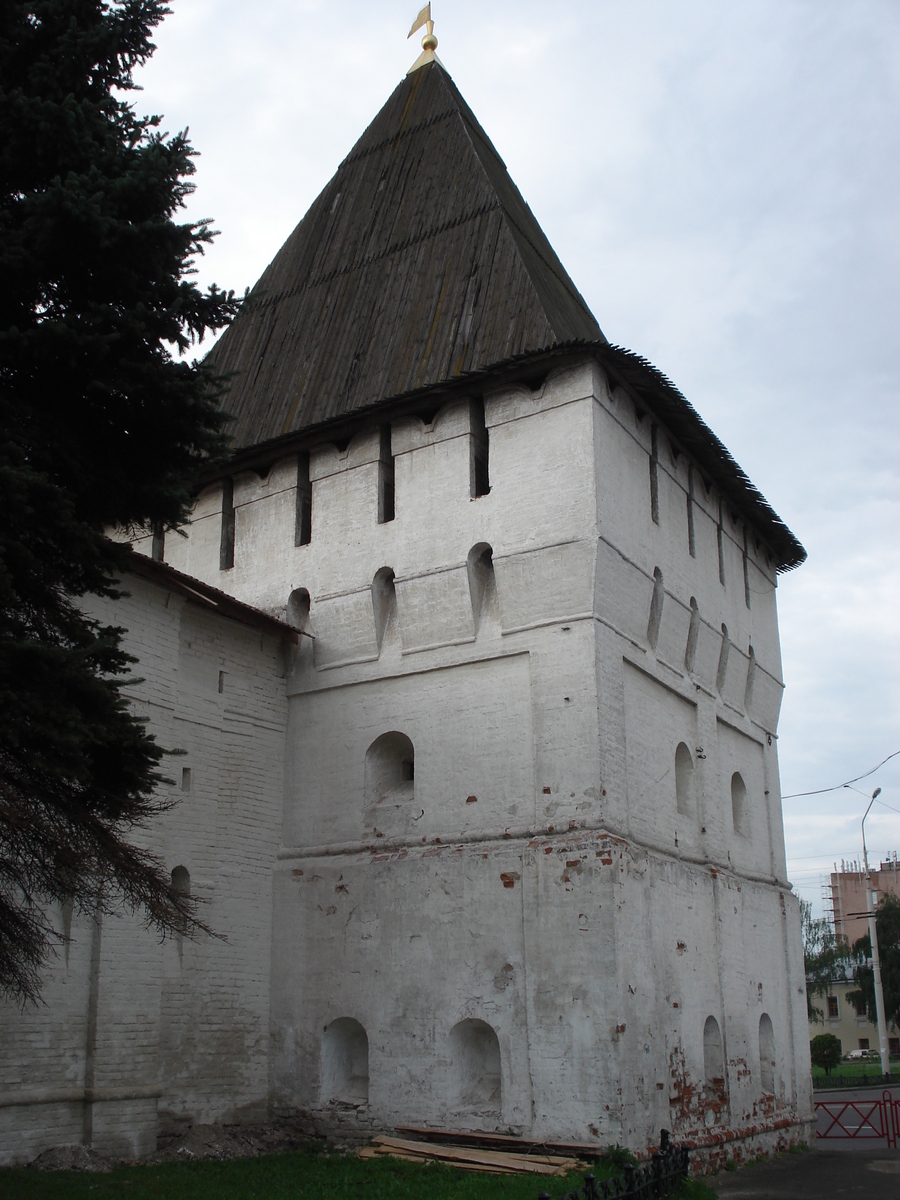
point(385, 478)
point(158, 545)
point(654, 473)
point(303, 523)
point(480, 481)
point(185, 779)
point(226, 542)
point(746, 556)
point(692, 545)
point(720, 546)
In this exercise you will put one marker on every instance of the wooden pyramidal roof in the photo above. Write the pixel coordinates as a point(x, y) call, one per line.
point(420, 268)
point(418, 263)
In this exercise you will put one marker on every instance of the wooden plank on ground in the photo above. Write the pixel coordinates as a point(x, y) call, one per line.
point(531, 1163)
point(502, 1141)
point(387, 1152)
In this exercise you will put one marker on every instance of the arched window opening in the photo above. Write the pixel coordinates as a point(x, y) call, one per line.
point(181, 881)
point(475, 1080)
point(656, 608)
point(384, 602)
point(345, 1062)
point(739, 813)
point(713, 1058)
point(684, 780)
point(690, 651)
point(390, 768)
point(767, 1054)
point(482, 583)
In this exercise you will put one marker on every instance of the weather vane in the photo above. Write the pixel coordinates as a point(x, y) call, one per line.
point(429, 41)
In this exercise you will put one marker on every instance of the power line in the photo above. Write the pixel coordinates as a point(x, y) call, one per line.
point(838, 786)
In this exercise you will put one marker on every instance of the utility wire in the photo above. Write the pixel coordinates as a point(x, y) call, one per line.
point(838, 786)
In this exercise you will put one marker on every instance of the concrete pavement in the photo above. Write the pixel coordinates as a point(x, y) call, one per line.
point(870, 1174)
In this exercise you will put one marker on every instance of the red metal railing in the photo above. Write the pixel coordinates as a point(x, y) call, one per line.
point(860, 1119)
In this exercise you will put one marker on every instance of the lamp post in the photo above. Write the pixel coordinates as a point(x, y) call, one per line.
point(876, 964)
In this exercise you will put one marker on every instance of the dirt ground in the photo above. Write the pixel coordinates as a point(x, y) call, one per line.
point(196, 1142)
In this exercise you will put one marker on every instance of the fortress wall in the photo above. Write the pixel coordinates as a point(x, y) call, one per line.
point(133, 1033)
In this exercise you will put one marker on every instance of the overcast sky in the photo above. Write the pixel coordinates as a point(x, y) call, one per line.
point(720, 180)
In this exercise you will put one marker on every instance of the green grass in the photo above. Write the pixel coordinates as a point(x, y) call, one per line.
point(305, 1176)
point(696, 1189)
point(855, 1070)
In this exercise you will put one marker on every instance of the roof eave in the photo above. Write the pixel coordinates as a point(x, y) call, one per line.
point(647, 385)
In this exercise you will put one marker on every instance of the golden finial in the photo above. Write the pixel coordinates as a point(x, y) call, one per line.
point(429, 41)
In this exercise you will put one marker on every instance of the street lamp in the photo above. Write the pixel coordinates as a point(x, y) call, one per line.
point(876, 964)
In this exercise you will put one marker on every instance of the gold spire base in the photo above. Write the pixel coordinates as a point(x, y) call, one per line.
point(424, 59)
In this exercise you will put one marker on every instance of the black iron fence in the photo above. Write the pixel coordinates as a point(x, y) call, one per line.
point(660, 1176)
point(873, 1079)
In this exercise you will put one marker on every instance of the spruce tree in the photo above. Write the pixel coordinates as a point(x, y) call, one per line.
point(104, 425)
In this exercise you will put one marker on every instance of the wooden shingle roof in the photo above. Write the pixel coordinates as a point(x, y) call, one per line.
point(418, 271)
point(419, 263)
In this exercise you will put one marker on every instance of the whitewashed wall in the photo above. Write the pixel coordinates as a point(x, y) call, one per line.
point(134, 1034)
point(536, 874)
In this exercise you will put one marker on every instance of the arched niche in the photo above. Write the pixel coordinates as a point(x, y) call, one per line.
point(181, 881)
point(298, 609)
point(690, 650)
point(739, 811)
point(713, 1057)
point(384, 604)
point(475, 1075)
point(684, 780)
point(656, 607)
point(345, 1062)
point(766, 1054)
point(482, 584)
point(390, 768)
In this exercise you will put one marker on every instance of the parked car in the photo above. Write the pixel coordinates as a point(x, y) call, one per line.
point(855, 1055)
